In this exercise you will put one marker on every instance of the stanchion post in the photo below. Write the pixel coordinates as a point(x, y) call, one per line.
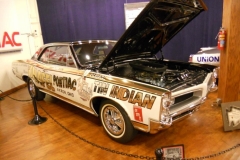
point(37, 118)
point(159, 154)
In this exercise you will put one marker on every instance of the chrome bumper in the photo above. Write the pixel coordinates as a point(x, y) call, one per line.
point(156, 126)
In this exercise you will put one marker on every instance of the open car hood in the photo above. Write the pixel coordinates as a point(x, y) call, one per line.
point(158, 22)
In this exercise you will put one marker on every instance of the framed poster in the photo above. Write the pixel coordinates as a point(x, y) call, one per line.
point(231, 115)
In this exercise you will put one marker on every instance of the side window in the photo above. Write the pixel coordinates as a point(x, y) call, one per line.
point(58, 55)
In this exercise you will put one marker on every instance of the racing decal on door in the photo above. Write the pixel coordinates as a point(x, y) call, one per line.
point(64, 83)
point(42, 78)
point(85, 89)
point(134, 97)
point(100, 87)
point(137, 113)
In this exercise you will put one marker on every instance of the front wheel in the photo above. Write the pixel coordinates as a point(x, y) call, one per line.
point(34, 91)
point(116, 122)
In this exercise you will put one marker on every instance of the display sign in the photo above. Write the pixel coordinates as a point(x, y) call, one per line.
point(173, 152)
point(231, 115)
point(132, 10)
point(10, 39)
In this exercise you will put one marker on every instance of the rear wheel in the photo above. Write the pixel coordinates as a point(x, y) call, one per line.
point(34, 91)
point(116, 122)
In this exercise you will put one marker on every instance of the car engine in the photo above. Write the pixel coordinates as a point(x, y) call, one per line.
point(168, 75)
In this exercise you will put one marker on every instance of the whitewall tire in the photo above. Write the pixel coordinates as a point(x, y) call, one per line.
point(116, 122)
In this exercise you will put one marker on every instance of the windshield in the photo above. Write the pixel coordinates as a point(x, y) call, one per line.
point(92, 53)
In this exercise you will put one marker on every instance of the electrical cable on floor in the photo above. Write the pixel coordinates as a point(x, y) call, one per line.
point(1, 98)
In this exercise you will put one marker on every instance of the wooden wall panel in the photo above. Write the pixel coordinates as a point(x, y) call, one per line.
point(229, 76)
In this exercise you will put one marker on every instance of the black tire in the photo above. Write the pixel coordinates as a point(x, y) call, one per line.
point(34, 91)
point(116, 122)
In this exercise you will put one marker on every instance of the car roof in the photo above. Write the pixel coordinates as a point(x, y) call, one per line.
point(79, 42)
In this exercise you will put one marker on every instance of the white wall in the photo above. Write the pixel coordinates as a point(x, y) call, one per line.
point(17, 16)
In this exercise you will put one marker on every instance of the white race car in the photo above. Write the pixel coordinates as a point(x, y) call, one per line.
point(123, 82)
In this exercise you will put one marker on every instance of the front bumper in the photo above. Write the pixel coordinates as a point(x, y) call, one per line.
point(156, 126)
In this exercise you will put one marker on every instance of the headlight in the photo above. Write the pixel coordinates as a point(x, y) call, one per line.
point(214, 85)
point(167, 101)
point(216, 72)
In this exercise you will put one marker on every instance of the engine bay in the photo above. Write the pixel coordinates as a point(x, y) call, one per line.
point(165, 74)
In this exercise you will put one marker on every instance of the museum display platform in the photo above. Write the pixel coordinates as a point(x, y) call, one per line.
point(71, 133)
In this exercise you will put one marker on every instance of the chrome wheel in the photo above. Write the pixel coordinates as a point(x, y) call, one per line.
point(116, 122)
point(32, 89)
point(113, 120)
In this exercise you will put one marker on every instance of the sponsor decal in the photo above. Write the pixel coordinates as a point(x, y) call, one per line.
point(137, 111)
point(100, 87)
point(208, 59)
point(38, 51)
point(41, 78)
point(65, 82)
point(96, 75)
point(64, 92)
point(134, 97)
point(85, 89)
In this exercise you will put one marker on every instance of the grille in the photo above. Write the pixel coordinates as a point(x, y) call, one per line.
point(183, 97)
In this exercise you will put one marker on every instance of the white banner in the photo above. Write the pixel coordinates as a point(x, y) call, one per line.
point(10, 39)
point(132, 10)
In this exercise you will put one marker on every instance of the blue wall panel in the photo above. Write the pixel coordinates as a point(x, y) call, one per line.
point(71, 20)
